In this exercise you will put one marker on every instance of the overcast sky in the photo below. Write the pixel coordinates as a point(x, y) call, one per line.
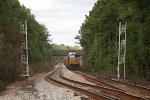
point(63, 18)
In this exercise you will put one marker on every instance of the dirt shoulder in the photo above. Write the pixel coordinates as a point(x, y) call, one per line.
point(37, 88)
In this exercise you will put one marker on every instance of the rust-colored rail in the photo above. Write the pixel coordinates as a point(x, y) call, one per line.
point(98, 82)
point(122, 82)
point(143, 90)
point(101, 81)
point(94, 95)
point(114, 92)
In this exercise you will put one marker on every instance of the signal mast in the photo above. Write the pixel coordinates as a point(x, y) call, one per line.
point(24, 51)
point(122, 47)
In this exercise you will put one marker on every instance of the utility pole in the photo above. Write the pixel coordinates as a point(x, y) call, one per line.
point(24, 51)
point(122, 48)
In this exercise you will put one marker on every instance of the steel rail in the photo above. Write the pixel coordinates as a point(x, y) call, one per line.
point(99, 81)
point(143, 90)
point(115, 92)
point(94, 95)
point(109, 85)
point(118, 81)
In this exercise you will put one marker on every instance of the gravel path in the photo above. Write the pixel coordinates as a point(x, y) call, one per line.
point(37, 88)
point(68, 74)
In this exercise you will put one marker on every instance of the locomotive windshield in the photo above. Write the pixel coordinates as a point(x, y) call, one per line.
point(72, 54)
point(77, 55)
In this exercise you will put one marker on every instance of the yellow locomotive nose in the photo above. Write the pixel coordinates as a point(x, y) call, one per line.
point(74, 61)
point(77, 60)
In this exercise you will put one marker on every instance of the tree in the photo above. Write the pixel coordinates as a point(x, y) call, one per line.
point(11, 14)
point(99, 33)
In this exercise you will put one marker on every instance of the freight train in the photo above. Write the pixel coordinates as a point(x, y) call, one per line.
point(73, 61)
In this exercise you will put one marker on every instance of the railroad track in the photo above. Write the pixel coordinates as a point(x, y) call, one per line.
point(122, 95)
point(92, 93)
point(114, 84)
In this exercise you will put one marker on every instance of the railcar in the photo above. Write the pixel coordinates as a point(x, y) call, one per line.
point(73, 61)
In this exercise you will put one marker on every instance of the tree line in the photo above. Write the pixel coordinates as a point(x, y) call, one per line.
point(40, 47)
point(63, 47)
point(98, 36)
point(11, 15)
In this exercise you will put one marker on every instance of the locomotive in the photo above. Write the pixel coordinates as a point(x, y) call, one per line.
point(73, 61)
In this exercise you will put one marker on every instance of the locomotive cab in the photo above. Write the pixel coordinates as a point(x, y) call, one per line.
point(73, 61)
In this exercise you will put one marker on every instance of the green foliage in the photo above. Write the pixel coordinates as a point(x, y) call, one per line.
point(39, 48)
point(63, 47)
point(11, 14)
point(98, 36)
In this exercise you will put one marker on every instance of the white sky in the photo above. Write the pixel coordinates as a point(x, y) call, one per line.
point(63, 18)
